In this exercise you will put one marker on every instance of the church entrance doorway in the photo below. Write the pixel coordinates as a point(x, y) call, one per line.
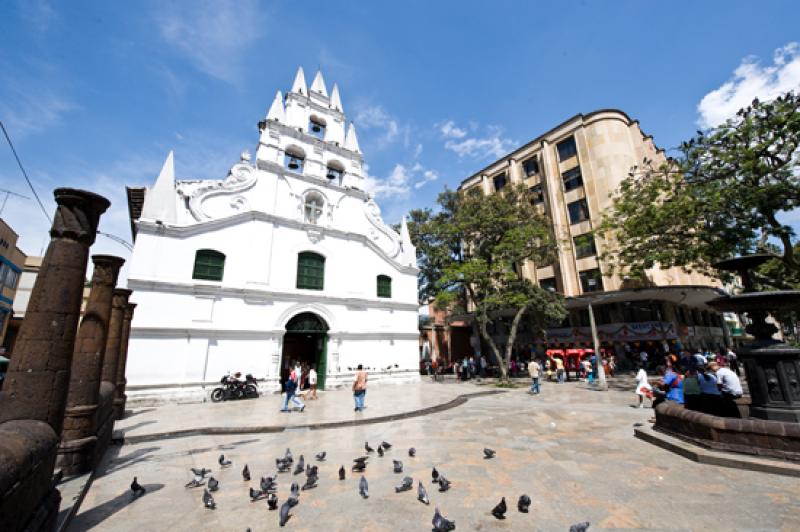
point(306, 342)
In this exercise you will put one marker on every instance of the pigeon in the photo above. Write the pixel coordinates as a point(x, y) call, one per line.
point(288, 456)
point(406, 485)
point(267, 484)
point(300, 467)
point(246, 473)
point(213, 484)
point(272, 501)
point(422, 495)
point(441, 524)
point(359, 465)
point(368, 448)
point(444, 484)
point(137, 489)
point(321, 456)
point(283, 465)
point(312, 470)
point(311, 482)
point(200, 472)
point(499, 511)
point(398, 466)
point(386, 445)
point(295, 489)
point(255, 495)
point(363, 487)
point(380, 451)
point(523, 503)
point(435, 475)
point(412, 452)
point(208, 500)
point(293, 500)
point(223, 462)
point(579, 527)
point(341, 473)
point(284, 515)
point(488, 453)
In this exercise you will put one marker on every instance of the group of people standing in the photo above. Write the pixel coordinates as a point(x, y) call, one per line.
point(304, 377)
point(697, 381)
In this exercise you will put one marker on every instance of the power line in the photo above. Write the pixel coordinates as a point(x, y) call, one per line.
point(24, 173)
point(117, 239)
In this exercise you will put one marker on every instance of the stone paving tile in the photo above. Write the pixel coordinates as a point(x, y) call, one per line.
point(586, 467)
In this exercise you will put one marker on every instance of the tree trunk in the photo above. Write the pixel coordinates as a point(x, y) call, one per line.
point(512, 334)
point(482, 321)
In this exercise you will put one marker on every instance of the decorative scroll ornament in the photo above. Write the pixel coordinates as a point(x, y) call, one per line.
point(240, 178)
point(373, 213)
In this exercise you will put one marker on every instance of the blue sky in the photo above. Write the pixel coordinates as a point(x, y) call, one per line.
point(95, 94)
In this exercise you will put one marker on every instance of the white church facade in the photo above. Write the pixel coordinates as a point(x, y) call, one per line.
point(285, 259)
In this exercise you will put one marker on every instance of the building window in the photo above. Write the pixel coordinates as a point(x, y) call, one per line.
point(537, 194)
point(335, 171)
point(567, 149)
point(572, 179)
point(295, 159)
point(578, 211)
point(531, 166)
point(548, 284)
point(584, 246)
point(209, 265)
point(384, 286)
point(499, 181)
point(316, 127)
point(312, 207)
point(591, 280)
point(310, 271)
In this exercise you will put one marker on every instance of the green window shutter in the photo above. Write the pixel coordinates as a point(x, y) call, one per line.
point(310, 271)
point(384, 286)
point(209, 265)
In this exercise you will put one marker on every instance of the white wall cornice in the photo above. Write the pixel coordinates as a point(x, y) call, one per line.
point(242, 334)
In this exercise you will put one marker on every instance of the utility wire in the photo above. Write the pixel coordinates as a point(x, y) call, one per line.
point(24, 173)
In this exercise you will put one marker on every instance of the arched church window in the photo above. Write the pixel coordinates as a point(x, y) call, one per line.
point(335, 171)
point(316, 127)
point(295, 159)
point(209, 265)
point(384, 286)
point(310, 271)
point(312, 207)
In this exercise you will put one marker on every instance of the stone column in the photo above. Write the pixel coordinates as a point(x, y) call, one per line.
point(35, 391)
point(105, 413)
point(121, 398)
point(79, 435)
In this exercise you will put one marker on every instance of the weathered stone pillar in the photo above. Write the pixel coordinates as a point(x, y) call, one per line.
point(35, 391)
point(120, 397)
point(78, 439)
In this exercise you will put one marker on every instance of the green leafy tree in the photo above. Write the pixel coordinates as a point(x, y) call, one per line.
point(721, 197)
point(470, 254)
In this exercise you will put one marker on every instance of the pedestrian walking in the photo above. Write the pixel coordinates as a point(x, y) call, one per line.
point(360, 388)
point(312, 382)
point(291, 386)
point(535, 372)
point(559, 369)
point(643, 388)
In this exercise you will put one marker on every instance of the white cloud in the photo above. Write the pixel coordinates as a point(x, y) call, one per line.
point(751, 80)
point(427, 177)
point(213, 34)
point(493, 144)
point(450, 131)
point(376, 117)
point(395, 185)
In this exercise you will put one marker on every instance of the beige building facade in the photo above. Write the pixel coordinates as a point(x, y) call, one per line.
point(571, 172)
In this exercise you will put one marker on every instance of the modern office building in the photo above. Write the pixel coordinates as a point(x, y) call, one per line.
point(571, 172)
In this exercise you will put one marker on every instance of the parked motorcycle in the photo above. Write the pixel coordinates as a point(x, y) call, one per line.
point(234, 388)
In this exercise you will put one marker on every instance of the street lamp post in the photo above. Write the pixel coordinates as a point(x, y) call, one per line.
point(601, 373)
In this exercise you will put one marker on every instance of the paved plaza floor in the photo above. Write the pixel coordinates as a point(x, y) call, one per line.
point(570, 449)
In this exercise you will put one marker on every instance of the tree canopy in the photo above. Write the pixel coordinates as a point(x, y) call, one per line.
point(721, 197)
point(471, 251)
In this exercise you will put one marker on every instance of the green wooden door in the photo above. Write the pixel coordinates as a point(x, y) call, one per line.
point(322, 363)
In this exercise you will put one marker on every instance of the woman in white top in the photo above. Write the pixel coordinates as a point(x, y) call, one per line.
point(312, 382)
point(643, 387)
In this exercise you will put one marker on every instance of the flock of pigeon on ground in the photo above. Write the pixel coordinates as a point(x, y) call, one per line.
point(268, 486)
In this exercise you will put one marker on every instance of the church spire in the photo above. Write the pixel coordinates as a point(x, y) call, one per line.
point(159, 201)
point(318, 84)
point(351, 141)
point(299, 84)
point(276, 110)
point(409, 256)
point(336, 100)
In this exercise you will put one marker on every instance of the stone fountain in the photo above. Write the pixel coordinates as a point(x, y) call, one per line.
point(772, 367)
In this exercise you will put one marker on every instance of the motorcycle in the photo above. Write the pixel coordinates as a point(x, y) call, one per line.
point(234, 388)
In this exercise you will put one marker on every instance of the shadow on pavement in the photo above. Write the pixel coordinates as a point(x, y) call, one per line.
point(116, 463)
point(131, 413)
point(98, 514)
